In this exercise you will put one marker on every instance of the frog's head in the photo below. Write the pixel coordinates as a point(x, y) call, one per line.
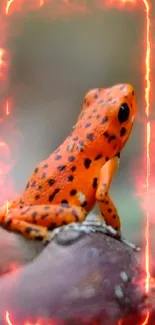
point(107, 118)
point(120, 112)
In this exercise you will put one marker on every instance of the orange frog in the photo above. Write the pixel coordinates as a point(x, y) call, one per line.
point(63, 188)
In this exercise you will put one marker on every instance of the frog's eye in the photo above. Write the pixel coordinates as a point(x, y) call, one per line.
point(123, 113)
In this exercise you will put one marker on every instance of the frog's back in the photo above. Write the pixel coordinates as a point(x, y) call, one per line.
point(69, 175)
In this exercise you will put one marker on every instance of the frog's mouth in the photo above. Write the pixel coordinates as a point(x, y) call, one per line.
point(125, 138)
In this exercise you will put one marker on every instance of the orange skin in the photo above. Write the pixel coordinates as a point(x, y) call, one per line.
point(64, 188)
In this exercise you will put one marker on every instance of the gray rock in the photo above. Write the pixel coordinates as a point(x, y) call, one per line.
point(79, 279)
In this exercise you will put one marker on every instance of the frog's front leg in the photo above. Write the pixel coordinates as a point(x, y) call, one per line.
point(34, 222)
point(107, 207)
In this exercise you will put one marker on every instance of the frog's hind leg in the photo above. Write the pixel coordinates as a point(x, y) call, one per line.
point(34, 222)
point(29, 231)
point(107, 207)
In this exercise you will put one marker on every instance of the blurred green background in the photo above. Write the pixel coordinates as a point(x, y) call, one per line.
point(54, 63)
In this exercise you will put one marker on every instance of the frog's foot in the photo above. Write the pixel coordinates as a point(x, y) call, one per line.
point(34, 222)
